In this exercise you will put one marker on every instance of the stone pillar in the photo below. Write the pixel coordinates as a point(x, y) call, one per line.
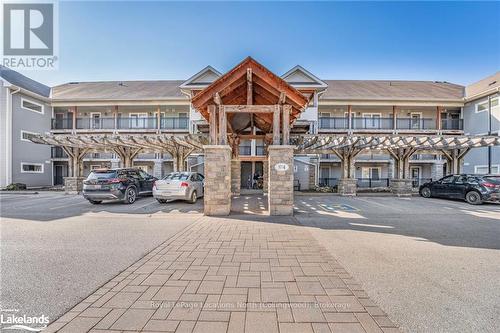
point(401, 187)
point(115, 163)
point(347, 186)
point(265, 176)
point(157, 169)
point(280, 171)
point(217, 199)
point(235, 176)
point(73, 185)
point(437, 170)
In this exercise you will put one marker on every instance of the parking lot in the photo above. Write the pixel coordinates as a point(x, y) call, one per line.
point(431, 264)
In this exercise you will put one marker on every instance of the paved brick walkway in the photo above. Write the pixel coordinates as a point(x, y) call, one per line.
point(231, 275)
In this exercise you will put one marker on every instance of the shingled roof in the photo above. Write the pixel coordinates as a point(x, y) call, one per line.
point(23, 82)
point(392, 90)
point(489, 83)
point(119, 90)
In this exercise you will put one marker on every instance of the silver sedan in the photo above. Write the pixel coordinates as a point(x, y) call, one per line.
point(179, 186)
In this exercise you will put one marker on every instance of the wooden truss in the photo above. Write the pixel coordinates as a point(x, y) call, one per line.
point(400, 147)
point(126, 146)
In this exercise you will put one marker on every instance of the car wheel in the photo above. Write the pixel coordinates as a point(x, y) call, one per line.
point(194, 197)
point(95, 202)
point(130, 195)
point(425, 192)
point(474, 198)
point(162, 201)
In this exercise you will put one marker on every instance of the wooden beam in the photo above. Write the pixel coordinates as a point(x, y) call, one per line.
point(249, 87)
point(249, 108)
point(438, 118)
point(276, 125)
point(287, 109)
point(252, 136)
point(282, 99)
point(217, 99)
point(212, 124)
point(222, 126)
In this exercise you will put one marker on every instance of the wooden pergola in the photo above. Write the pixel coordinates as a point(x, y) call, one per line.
point(250, 102)
point(126, 146)
point(400, 147)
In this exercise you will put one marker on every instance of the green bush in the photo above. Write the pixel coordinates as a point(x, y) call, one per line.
point(16, 187)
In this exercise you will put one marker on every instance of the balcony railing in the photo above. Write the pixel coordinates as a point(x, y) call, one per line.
point(333, 122)
point(372, 182)
point(416, 182)
point(62, 123)
point(372, 123)
point(259, 150)
point(123, 123)
point(331, 182)
point(245, 150)
point(452, 124)
point(58, 152)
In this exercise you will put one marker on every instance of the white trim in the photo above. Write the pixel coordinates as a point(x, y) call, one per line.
point(23, 99)
point(364, 114)
point(419, 170)
point(187, 83)
point(29, 163)
point(497, 166)
point(318, 82)
point(487, 104)
point(28, 132)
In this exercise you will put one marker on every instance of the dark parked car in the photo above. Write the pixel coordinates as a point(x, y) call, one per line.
point(475, 189)
point(117, 184)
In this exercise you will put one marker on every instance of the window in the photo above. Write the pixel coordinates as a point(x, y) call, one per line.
point(95, 167)
point(25, 135)
point(483, 106)
point(143, 174)
point(371, 173)
point(31, 106)
point(448, 179)
point(483, 169)
point(31, 167)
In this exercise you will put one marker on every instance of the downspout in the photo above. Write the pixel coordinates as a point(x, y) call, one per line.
point(8, 129)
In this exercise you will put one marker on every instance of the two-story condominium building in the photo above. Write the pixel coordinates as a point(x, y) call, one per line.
point(344, 107)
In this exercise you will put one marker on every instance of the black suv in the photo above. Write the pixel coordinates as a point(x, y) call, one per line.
point(117, 184)
point(472, 188)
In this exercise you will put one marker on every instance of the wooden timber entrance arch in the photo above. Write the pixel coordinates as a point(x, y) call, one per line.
point(249, 102)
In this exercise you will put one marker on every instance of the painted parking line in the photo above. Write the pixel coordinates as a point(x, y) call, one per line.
point(337, 207)
point(40, 201)
point(379, 204)
point(145, 205)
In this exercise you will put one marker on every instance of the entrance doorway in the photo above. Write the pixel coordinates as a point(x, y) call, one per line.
point(251, 175)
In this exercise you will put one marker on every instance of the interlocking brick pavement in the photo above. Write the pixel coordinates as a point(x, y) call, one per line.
point(231, 275)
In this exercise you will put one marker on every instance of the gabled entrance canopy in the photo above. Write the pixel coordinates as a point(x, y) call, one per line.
point(250, 83)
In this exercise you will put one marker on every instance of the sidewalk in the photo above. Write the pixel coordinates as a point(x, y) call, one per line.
point(231, 275)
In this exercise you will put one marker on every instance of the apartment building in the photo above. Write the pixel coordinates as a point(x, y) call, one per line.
point(482, 117)
point(25, 109)
point(341, 107)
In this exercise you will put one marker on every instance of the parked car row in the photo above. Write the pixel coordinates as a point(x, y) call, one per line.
point(475, 189)
point(127, 184)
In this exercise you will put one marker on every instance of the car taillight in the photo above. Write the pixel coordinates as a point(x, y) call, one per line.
point(115, 180)
point(490, 185)
point(184, 184)
point(154, 185)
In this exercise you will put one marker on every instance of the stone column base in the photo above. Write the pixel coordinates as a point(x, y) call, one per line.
point(73, 185)
point(401, 187)
point(347, 186)
point(235, 177)
point(280, 171)
point(217, 198)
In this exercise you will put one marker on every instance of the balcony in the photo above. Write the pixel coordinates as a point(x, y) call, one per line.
point(124, 123)
point(452, 124)
point(378, 123)
point(57, 152)
point(246, 150)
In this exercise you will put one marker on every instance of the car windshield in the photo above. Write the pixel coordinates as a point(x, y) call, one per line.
point(102, 175)
point(177, 176)
point(493, 180)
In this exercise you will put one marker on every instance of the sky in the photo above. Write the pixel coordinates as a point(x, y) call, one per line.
point(457, 42)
